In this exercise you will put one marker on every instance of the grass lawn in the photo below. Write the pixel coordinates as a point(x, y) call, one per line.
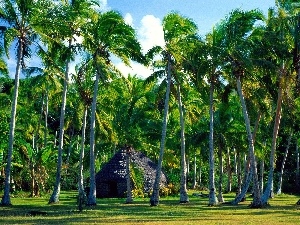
point(282, 210)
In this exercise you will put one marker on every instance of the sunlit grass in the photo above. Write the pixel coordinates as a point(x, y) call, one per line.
point(282, 210)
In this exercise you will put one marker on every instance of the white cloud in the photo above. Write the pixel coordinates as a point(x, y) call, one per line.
point(135, 69)
point(128, 19)
point(150, 34)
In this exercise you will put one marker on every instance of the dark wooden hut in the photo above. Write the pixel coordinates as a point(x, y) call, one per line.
point(111, 179)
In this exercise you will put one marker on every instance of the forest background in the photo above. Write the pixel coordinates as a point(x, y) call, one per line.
point(215, 109)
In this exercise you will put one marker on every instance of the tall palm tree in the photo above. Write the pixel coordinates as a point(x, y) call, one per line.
point(204, 63)
point(179, 35)
point(83, 82)
point(106, 34)
point(278, 31)
point(154, 199)
point(19, 18)
point(74, 15)
point(238, 31)
point(213, 56)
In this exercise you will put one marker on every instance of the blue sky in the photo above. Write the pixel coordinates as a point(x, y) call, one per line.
point(204, 13)
point(146, 16)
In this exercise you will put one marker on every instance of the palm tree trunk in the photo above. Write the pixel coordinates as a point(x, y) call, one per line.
point(184, 198)
point(31, 166)
point(92, 195)
point(81, 193)
point(200, 174)
point(229, 172)
point(55, 140)
point(71, 136)
point(253, 171)
point(195, 171)
point(259, 115)
point(56, 191)
point(154, 199)
point(212, 189)
point(247, 169)
point(6, 196)
point(297, 167)
point(239, 172)
point(269, 189)
point(243, 185)
point(220, 186)
point(235, 161)
point(262, 170)
point(283, 163)
point(128, 177)
point(46, 115)
point(242, 190)
point(187, 165)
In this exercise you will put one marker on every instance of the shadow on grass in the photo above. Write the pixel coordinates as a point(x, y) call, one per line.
point(109, 211)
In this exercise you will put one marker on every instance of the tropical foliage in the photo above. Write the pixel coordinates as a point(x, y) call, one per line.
point(217, 114)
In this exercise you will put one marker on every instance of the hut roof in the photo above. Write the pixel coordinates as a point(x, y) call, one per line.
point(115, 169)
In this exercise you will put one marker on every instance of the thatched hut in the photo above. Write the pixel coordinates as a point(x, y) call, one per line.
point(111, 179)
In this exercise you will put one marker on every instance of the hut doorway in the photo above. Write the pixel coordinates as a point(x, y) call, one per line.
point(112, 189)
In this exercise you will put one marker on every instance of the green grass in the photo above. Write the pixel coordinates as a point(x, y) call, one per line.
point(282, 210)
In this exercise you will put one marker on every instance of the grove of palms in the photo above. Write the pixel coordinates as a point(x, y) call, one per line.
point(219, 113)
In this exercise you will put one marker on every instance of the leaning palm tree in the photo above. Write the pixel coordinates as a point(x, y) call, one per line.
point(238, 29)
point(106, 34)
point(19, 18)
point(278, 31)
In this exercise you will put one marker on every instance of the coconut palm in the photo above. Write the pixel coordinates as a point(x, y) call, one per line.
point(19, 19)
point(74, 15)
point(106, 34)
point(204, 63)
point(154, 199)
point(238, 29)
point(277, 31)
point(83, 81)
point(179, 35)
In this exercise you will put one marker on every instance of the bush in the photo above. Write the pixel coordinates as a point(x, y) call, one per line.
point(168, 190)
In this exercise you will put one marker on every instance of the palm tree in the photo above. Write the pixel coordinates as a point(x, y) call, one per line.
point(154, 199)
point(213, 56)
point(83, 83)
point(277, 31)
point(204, 63)
point(179, 35)
point(74, 15)
point(18, 17)
point(238, 31)
point(106, 34)
point(128, 177)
